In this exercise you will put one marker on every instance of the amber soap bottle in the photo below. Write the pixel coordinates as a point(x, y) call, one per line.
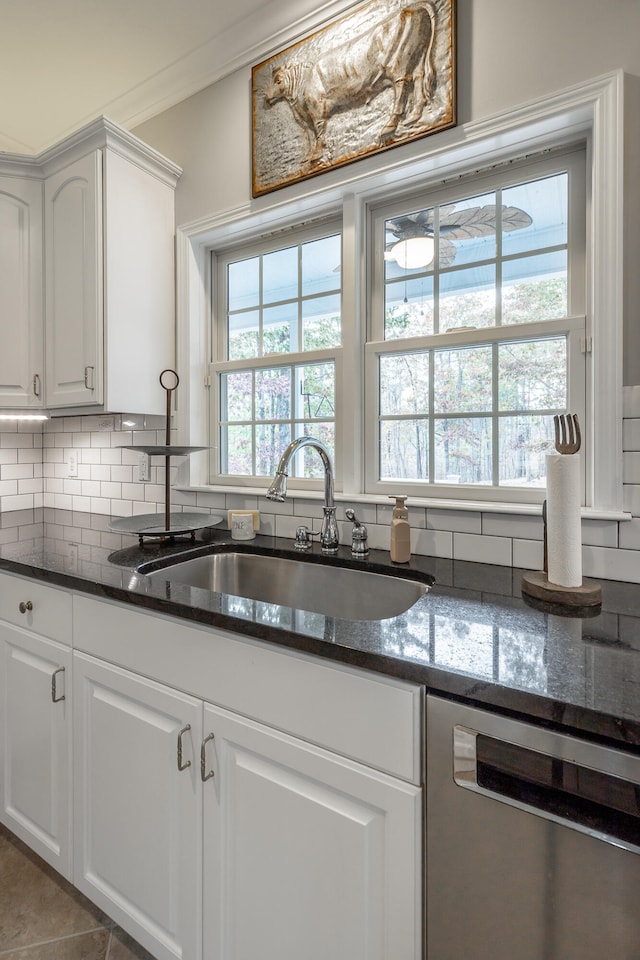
point(400, 532)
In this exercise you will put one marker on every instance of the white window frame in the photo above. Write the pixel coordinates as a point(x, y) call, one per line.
point(219, 365)
point(573, 326)
point(591, 112)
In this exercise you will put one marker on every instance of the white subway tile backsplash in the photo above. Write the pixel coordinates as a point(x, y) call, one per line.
point(528, 554)
point(629, 534)
point(600, 533)
point(436, 543)
point(102, 471)
point(458, 521)
point(34, 471)
point(504, 525)
point(482, 549)
point(631, 498)
point(16, 471)
point(600, 562)
point(631, 434)
point(631, 467)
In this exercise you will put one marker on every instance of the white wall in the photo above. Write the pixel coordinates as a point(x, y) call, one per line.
point(510, 52)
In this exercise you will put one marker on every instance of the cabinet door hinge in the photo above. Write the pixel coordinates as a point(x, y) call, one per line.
point(586, 344)
point(207, 379)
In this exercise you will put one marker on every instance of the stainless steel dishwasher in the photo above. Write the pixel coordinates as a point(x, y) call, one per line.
point(533, 842)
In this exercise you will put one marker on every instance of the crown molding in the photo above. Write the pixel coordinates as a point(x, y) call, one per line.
point(99, 133)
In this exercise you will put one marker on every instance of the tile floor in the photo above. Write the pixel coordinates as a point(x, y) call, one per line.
point(42, 917)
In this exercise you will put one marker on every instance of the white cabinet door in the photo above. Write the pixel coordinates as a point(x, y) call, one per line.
point(74, 283)
point(137, 815)
point(306, 854)
point(21, 322)
point(35, 743)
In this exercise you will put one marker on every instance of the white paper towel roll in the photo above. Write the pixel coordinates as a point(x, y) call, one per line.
point(564, 534)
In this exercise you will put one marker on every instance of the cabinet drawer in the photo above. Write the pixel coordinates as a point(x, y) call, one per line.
point(360, 714)
point(47, 610)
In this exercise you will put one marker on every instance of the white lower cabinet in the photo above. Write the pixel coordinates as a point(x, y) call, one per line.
point(306, 854)
point(138, 805)
point(35, 718)
point(232, 800)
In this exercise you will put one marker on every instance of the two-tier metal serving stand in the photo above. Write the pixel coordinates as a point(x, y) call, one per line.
point(167, 524)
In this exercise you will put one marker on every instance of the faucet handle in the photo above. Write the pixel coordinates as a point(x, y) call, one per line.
point(359, 545)
point(303, 538)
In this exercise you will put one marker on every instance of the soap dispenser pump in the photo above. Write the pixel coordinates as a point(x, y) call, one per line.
point(400, 532)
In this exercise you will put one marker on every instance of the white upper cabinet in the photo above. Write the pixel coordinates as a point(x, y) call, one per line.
point(73, 258)
point(21, 323)
point(109, 266)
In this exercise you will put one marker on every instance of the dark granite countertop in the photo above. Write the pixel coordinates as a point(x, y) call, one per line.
point(472, 636)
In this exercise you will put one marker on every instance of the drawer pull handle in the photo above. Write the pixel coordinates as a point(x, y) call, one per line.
point(25, 607)
point(54, 693)
point(181, 765)
point(204, 776)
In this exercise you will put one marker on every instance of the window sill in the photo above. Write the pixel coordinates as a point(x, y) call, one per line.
point(433, 503)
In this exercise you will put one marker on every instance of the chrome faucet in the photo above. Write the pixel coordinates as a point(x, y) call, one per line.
point(278, 489)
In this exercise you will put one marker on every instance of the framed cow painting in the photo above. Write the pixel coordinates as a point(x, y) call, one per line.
point(379, 77)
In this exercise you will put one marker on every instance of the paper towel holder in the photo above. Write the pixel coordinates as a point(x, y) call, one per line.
point(568, 600)
point(536, 584)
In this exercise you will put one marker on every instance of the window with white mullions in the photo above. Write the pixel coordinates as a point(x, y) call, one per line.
point(477, 312)
point(263, 409)
point(276, 351)
point(471, 415)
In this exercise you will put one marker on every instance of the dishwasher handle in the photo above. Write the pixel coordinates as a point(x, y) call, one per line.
point(584, 798)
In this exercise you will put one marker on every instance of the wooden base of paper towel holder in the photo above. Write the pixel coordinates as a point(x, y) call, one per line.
point(536, 584)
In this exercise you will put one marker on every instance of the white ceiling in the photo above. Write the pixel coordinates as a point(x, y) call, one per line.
point(64, 62)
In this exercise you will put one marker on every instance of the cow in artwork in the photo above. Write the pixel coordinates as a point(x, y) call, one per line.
point(395, 53)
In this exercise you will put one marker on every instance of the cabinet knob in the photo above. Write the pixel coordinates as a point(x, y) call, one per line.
point(25, 606)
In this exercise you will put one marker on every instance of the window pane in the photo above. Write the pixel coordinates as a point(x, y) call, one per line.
point(244, 335)
point(236, 395)
point(401, 255)
point(462, 380)
point(532, 375)
point(524, 442)
point(315, 391)
point(273, 393)
point(271, 441)
point(280, 275)
point(404, 450)
point(243, 284)
point(463, 451)
point(404, 384)
point(280, 328)
point(236, 454)
point(321, 265)
point(409, 308)
point(467, 230)
point(535, 288)
point(546, 202)
point(308, 459)
point(468, 298)
point(321, 327)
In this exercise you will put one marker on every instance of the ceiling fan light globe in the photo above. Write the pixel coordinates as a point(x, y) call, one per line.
point(413, 252)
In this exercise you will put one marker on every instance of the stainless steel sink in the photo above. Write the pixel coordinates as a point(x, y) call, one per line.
point(334, 591)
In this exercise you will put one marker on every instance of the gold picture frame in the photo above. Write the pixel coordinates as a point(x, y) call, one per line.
point(379, 77)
